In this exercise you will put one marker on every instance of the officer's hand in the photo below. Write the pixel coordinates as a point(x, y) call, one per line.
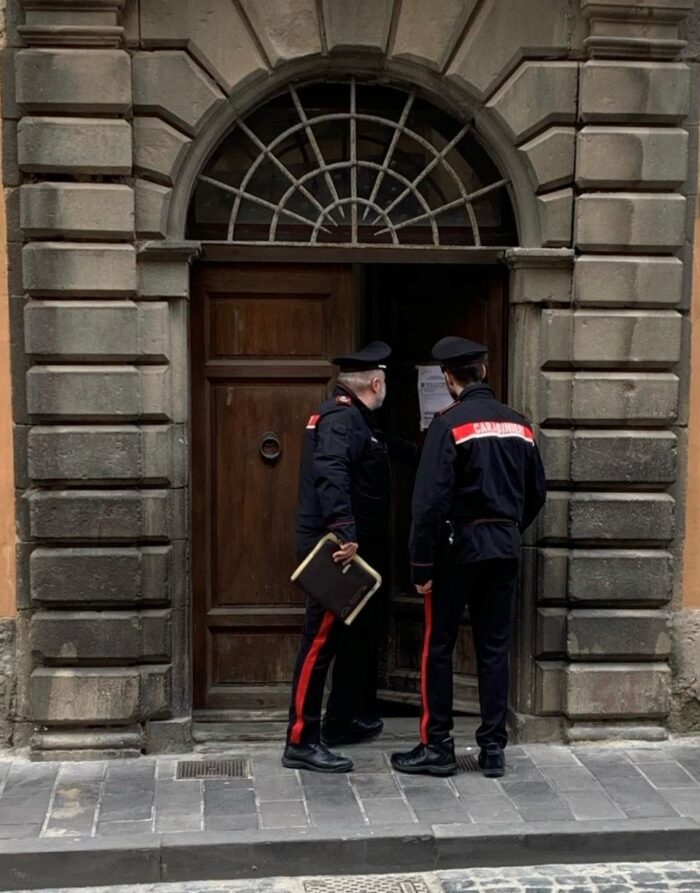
point(345, 553)
point(425, 588)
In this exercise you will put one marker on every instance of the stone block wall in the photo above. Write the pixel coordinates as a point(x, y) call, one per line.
point(112, 107)
point(611, 400)
point(685, 659)
point(7, 491)
point(103, 512)
point(7, 681)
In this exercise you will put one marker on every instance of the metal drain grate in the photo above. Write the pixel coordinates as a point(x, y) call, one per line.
point(466, 762)
point(367, 885)
point(234, 768)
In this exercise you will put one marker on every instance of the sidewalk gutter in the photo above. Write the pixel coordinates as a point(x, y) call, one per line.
point(61, 862)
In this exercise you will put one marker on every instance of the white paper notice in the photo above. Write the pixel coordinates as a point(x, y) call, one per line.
point(432, 393)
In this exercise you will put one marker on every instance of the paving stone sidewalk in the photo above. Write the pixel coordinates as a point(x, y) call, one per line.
point(544, 783)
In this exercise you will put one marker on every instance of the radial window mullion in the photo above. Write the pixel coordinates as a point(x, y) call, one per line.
point(353, 163)
point(358, 169)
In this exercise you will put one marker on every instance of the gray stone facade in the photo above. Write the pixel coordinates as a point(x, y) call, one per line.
point(111, 108)
point(7, 681)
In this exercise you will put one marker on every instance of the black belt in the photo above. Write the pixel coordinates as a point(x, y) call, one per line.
point(468, 522)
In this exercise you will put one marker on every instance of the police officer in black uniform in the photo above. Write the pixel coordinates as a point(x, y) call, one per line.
point(480, 484)
point(344, 488)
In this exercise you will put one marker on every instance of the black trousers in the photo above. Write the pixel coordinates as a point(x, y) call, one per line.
point(488, 589)
point(355, 648)
point(319, 642)
point(356, 669)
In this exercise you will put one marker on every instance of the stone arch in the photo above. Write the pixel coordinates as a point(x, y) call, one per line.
point(523, 106)
point(483, 61)
point(449, 96)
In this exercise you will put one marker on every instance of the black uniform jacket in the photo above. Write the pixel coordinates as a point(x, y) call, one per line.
point(345, 474)
point(480, 483)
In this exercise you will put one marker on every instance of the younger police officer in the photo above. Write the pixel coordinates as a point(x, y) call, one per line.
point(344, 488)
point(480, 484)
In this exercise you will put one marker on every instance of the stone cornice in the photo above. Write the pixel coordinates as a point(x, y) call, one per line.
point(84, 23)
point(538, 258)
point(166, 251)
point(163, 268)
point(78, 6)
point(635, 29)
point(71, 36)
point(540, 275)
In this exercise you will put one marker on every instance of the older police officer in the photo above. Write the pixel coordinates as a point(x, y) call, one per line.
point(480, 484)
point(344, 487)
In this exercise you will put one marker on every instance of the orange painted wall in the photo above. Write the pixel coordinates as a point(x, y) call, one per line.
point(7, 493)
point(691, 568)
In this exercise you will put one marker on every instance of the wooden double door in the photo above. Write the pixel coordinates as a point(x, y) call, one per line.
point(262, 336)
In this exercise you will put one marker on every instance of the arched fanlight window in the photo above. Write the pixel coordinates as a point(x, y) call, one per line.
point(352, 164)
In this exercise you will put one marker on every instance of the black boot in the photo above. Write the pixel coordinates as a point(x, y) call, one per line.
point(315, 757)
point(427, 759)
point(335, 732)
point(492, 760)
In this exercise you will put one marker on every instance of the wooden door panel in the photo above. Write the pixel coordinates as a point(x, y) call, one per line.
point(253, 656)
point(269, 326)
point(262, 338)
point(261, 342)
point(254, 499)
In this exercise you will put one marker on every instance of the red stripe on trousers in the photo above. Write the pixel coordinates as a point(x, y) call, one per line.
point(305, 677)
point(425, 715)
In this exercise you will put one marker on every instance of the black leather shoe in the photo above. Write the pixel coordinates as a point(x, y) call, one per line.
point(427, 759)
point(334, 733)
point(315, 757)
point(492, 760)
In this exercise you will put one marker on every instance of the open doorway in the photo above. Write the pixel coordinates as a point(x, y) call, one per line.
point(410, 307)
point(262, 336)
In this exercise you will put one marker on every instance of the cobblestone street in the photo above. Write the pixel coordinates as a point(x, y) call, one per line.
point(660, 877)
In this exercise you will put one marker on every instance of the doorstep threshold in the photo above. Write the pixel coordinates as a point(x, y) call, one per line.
point(212, 732)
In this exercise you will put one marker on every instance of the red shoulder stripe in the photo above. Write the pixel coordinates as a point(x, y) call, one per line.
point(477, 430)
point(312, 423)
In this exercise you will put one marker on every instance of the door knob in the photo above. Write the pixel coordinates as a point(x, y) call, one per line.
point(270, 446)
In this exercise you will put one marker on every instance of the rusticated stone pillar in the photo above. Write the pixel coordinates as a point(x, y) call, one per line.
point(540, 280)
point(600, 366)
point(103, 519)
point(612, 373)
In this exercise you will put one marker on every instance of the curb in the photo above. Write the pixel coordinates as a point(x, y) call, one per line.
point(258, 854)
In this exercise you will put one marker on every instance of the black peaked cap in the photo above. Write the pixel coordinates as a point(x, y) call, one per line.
point(454, 352)
point(372, 356)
